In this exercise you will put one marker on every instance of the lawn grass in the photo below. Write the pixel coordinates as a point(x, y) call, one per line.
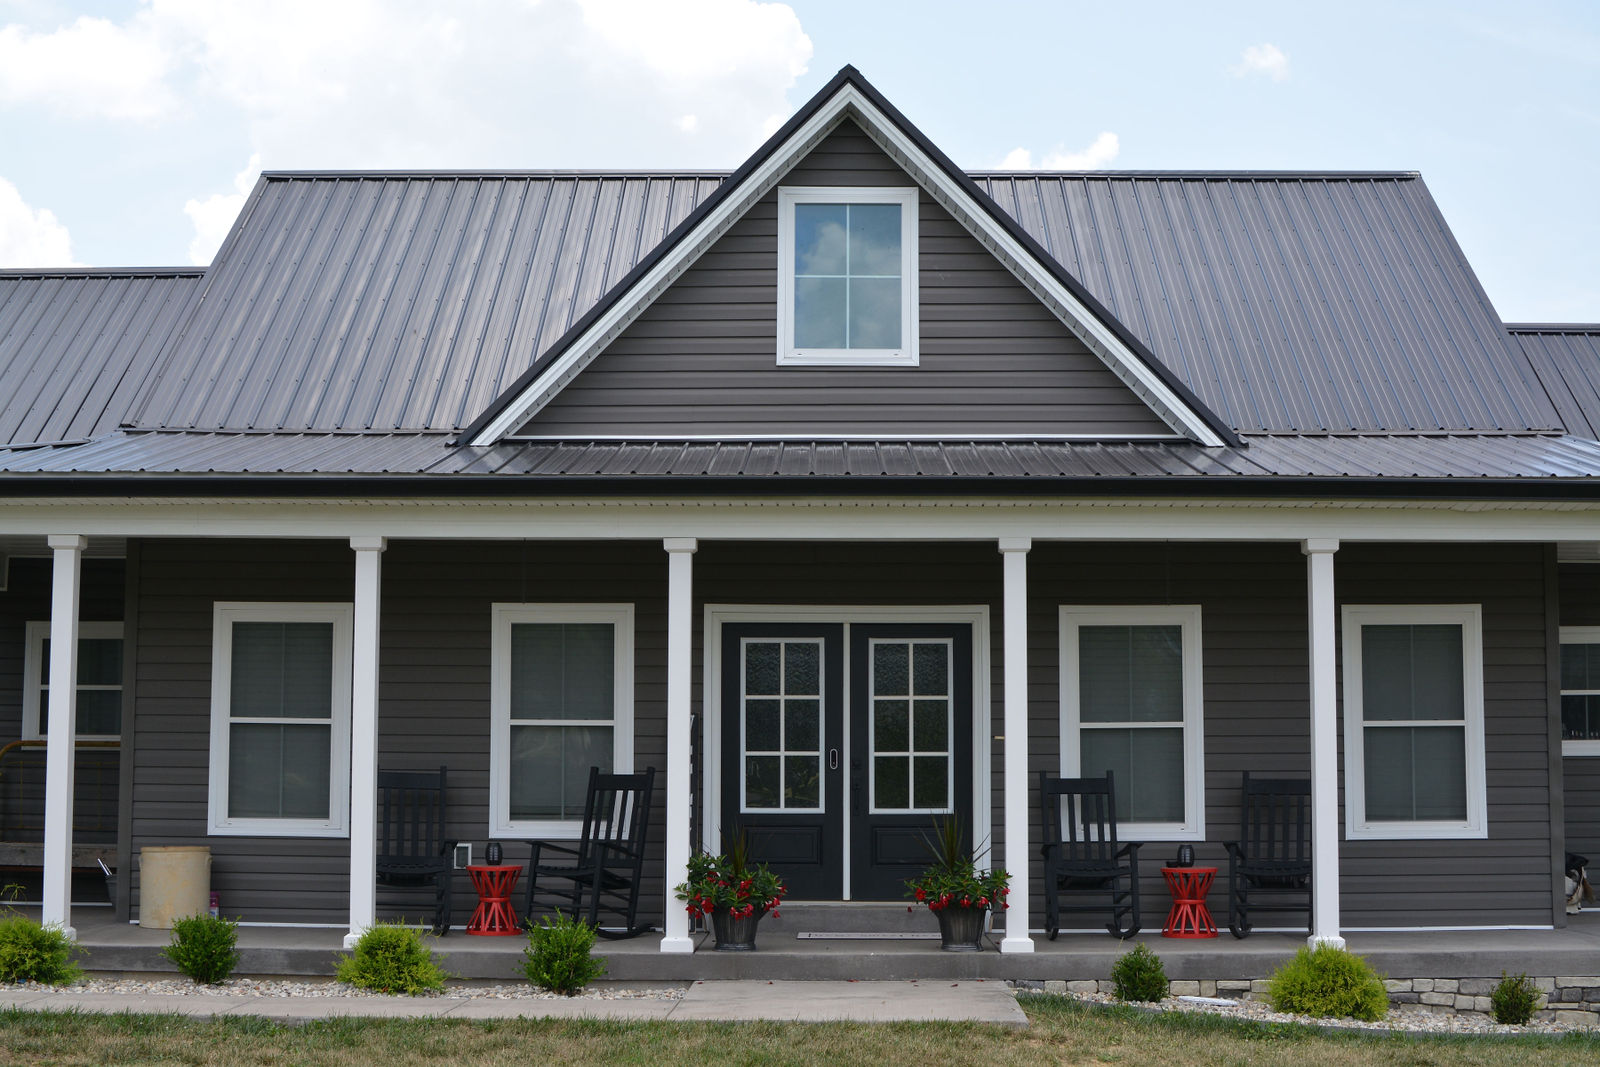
point(1061, 1032)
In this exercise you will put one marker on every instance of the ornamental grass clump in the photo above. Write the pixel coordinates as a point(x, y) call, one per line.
point(1514, 1000)
point(391, 958)
point(730, 883)
point(558, 955)
point(204, 948)
point(1139, 975)
point(953, 879)
point(1329, 982)
point(30, 952)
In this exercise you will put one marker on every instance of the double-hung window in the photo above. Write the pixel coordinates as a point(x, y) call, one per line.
point(280, 719)
point(561, 701)
point(99, 681)
point(1131, 703)
point(1413, 721)
point(847, 285)
point(1580, 690)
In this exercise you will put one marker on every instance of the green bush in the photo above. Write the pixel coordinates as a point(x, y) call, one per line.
point(33, 953)
point(1514, 1000)
point(1329, 982)
point(203, 947)
point(391, 958)
point(1138, 975)
point(557, 957)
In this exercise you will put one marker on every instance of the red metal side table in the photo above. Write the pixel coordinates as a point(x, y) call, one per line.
point(1189, 916)
point(494, 917)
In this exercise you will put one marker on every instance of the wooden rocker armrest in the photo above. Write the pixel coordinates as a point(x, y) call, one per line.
point(1130, 849)
point(1233, 850)
point(448, 846)
point(540, 846)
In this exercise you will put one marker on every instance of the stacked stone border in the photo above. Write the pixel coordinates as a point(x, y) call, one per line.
point(1567, 999)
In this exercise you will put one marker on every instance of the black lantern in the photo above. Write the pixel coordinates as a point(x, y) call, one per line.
point(492, 854)
point(1185, 856)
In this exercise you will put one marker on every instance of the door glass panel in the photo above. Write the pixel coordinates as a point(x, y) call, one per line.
point(782, 725)
point(911, 757)
point(890, 726)
point(891, 783)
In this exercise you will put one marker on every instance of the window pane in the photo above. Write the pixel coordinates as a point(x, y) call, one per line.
point(282, 670)
point(1574, 666)
point(800, 782)
point(891, 786)
point(1412, 672)
point(802, 724)
point(874, 313)
point(802, 668)
point(1130, 673)
point(278, 771)
point(891, 670)
point(1580, 718)
point(1148, 766)
point(99, 711)
point(761, 725)
point(891, 729)
point(563, 671)
point(550, 768)
point(99, 660)
point(1416, 772)
point(819, 312)
point(932, 726)
point(761, 669)
point(932, 782)
point(931, 665)
point(761, 782)
point(819, 238)
point(875, 240)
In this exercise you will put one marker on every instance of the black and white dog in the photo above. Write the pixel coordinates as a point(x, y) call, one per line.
point(1579, 891)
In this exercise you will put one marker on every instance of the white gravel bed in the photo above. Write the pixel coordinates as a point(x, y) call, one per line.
point(1418, 1022)
point(282, 988)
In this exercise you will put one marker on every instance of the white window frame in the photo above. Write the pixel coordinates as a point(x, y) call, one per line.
point(1579, 635)
point(35, 671)
point(1470, 618)
point(904, 356)
point(503, 617)
point(342, 618)
point(1188, 618)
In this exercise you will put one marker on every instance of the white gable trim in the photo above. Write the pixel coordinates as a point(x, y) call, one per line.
point(849, 102)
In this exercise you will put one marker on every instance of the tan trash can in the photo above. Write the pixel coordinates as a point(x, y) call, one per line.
point(174, 883)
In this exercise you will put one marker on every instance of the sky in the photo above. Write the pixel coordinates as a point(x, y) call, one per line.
point(131, 132)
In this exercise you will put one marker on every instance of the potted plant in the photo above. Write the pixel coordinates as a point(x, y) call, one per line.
point(958, 894)
point(734, 893)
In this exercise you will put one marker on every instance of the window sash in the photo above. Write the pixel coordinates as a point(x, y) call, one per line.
point(36, 679)
point(923, 766)
point(1587, 637)
point(786, 769)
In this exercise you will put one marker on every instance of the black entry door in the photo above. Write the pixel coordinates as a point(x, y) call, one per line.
point(910, 748)
point(782, 750)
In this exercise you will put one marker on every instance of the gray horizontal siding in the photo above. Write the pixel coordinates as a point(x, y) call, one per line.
point(702, 358)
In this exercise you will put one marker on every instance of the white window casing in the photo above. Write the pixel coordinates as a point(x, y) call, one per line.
point(906, 355)
point(620, 617)
point(1469, 619)
point(1578, 635)
point(341, 617)
point(35, 675)
point(1187, 618)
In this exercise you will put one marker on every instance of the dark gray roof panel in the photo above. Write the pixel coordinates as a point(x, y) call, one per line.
point(1566, 356)
point(1333, 457)
point(1291, 303)
point(76, 345)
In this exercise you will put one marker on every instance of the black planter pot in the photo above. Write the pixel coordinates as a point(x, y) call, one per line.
point(961, 929)
point(733, 934)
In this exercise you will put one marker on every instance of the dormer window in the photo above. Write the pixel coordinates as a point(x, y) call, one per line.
point(847, 276)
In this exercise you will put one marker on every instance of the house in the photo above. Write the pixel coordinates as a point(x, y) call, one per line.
point(843, 489)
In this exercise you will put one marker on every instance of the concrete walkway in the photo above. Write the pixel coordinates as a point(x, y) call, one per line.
point(741, 1001)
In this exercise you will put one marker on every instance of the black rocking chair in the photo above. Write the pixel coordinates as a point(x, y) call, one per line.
point(1272, 857)
point(412, 848)
point(1082, 855)
point(607, 866)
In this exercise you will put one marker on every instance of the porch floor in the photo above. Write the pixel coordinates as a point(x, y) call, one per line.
point(122, 947)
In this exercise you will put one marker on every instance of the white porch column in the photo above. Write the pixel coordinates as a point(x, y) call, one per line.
point(1324, 743)
point(66, 578)
point(680, 640)
point(364, 737)
point(1014, 550)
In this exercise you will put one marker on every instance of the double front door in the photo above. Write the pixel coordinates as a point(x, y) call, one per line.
point(841, 746)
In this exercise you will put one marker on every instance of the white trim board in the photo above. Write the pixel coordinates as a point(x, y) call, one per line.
point(850, 103)
point(983, 727)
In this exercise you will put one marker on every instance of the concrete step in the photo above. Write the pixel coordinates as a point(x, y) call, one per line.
point(854, 917)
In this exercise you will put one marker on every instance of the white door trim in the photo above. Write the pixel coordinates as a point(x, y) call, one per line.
point(718, 615)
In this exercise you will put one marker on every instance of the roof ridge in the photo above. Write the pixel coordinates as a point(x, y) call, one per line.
point(1553, 327)
point(102, 272)
point(1182, 173)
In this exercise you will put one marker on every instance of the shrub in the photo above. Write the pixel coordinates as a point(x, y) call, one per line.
point(1514, 1000)
point(391, 958)
point(1138, 975)
point(1329, 982)
point(33, 953)
point(203, 947)
point(557, 957)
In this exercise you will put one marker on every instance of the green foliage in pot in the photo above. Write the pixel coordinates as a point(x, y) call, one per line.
point(558, 955)
point(953, 879)
point(730, 882)
point(204, 948)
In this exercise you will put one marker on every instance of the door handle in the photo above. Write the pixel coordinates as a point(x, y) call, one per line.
point(833, 759)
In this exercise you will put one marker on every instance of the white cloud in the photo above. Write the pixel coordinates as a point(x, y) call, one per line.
point(1265, 58)
point(689, 123)
point(30, 237)
point(213, 217)
point(1097, 156)
point(90, 68)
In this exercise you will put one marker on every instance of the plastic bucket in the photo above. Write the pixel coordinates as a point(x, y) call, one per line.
point(174, 883)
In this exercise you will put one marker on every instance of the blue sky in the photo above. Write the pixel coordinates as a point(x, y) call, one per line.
point(129, 131)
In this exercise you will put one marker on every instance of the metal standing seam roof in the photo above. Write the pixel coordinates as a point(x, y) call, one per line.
point(1566, 356)
point(77, 344)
